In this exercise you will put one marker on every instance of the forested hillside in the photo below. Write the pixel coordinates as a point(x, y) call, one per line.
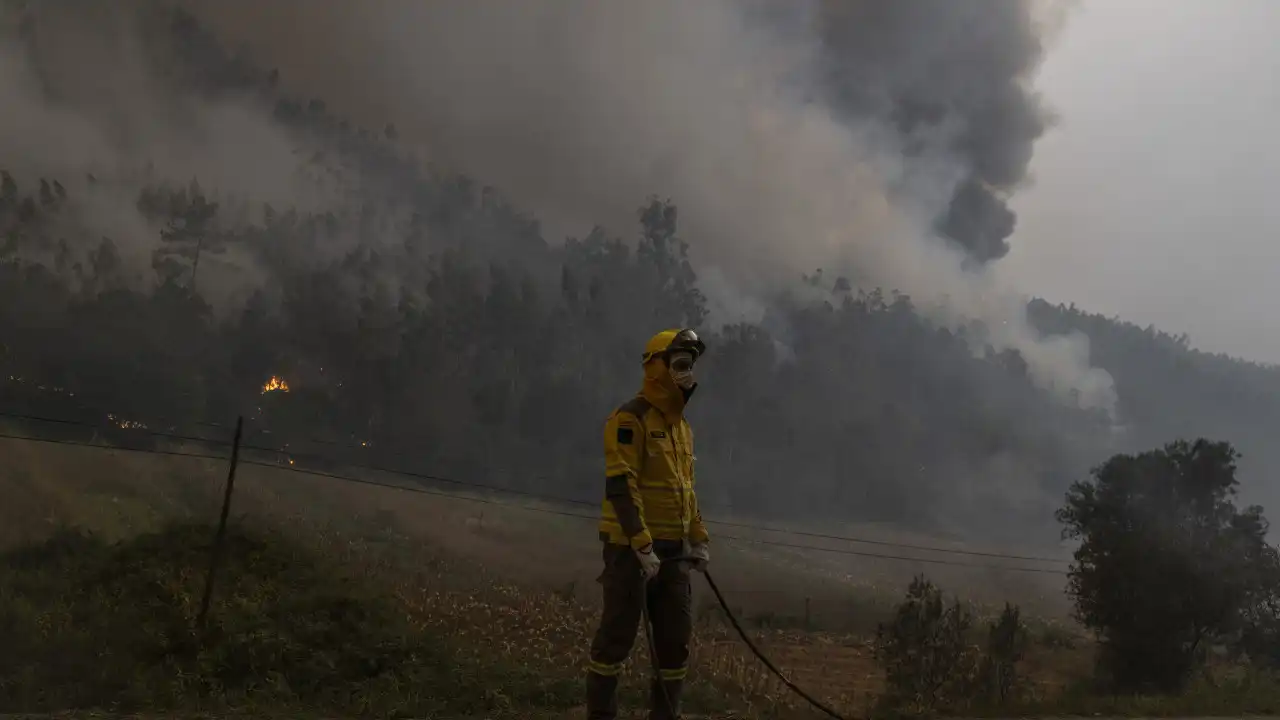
point(417, 314)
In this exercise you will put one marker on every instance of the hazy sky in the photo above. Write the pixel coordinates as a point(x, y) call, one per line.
point(1157, 197)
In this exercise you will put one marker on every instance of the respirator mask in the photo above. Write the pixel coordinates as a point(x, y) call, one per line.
point(680, 365)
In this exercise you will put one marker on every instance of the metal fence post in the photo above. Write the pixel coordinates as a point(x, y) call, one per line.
point(216, 555)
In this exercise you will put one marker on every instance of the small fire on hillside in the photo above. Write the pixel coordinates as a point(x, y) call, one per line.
point(275, 384)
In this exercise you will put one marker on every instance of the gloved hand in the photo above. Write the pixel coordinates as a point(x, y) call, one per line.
point(649, 562)
point(701, 555)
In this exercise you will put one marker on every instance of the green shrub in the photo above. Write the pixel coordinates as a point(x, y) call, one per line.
point(925, 652)
point(998, 674)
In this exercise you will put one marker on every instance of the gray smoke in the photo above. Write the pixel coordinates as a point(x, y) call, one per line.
point(596, 84)
point(929, 65)
point(876, 140)
point(90, 98)
point(84, 92)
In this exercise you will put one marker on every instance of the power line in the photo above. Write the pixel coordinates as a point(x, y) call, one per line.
point(289, 452)
point(292, 454)
point(107, 426)
point(723, 523)
point(544, 497)
point(548, 511)
point(78, 443)
point(563, 513)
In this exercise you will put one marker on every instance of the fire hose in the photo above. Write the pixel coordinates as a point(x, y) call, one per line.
point(737, 626)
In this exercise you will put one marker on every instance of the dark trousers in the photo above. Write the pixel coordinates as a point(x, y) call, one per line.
point(670, 602)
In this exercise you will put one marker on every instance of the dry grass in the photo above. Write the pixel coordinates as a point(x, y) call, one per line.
point(516, 588)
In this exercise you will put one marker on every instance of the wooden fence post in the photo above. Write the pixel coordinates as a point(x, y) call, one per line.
point(216, 555)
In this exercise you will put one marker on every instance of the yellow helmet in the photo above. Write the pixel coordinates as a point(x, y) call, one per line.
point(675, 339)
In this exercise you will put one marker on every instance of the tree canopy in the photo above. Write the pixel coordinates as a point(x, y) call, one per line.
point(1167, 563)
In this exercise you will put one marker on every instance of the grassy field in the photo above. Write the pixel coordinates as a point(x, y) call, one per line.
point(345, 599)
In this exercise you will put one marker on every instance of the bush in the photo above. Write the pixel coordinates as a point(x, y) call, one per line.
point(925, 651)
point(1007, 641)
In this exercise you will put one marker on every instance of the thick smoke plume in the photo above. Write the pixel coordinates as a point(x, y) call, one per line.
point(874, 140)
point(929, 64)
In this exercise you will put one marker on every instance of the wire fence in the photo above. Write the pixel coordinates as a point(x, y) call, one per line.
point(233, 450)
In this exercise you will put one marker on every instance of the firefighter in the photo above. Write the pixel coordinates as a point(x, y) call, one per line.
point(649, 513)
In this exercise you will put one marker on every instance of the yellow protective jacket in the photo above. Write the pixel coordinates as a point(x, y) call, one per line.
point(648, 454)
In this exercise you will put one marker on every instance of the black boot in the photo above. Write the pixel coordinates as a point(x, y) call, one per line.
point(602, 697)
point(668, 707)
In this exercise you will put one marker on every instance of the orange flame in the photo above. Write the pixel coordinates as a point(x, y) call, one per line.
point(275, 384)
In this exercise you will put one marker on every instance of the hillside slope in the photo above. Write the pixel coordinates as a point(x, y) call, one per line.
point(422, 321)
